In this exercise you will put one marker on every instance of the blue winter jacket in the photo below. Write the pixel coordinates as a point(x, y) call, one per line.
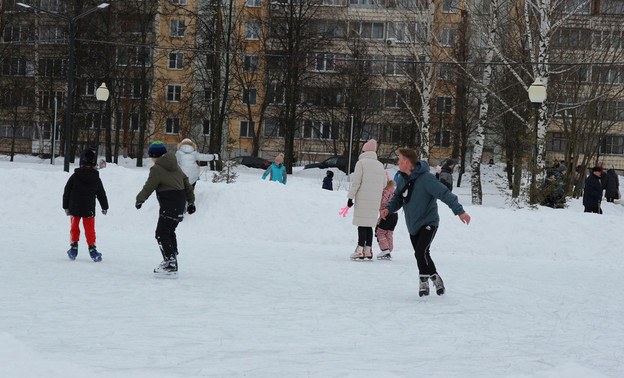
point(277, 172)
point(417, 194)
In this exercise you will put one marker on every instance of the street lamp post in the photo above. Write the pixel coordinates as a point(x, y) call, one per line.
point(102, 96)
point(440, 139)
point(70, 70)
point(537, 96)
point(350, 148)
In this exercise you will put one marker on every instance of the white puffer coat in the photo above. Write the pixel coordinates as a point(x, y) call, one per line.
point(187, 160)
point(367, 184)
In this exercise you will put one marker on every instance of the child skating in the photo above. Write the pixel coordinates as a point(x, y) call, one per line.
point(81, 190)
point(385, 227)
point(173, 191)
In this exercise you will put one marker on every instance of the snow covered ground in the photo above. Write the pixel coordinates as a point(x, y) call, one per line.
point(266, 288)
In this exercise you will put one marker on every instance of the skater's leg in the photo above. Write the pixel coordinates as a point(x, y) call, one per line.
point(382, 239)
point(361, 236)
point(165, 227)
point(421, 243)
point(74, 232)
point(369, 236)
point(89, 227)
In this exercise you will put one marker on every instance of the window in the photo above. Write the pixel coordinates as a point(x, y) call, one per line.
point(211, 61)
point(448, 37)
point(92, 120)
point(334, 2)
point(394, 99)
point(51, 34)
point(446, 72)
point(209, 94)
point(398, 65)
point(608, 75)
point(135, 121)
point(369, 131)
point(90, 87)
point(177, 28)
point(252, 31)
point(136, 23)
point(608, 40)
point(178, 2)
point(172, 126)
point(176, 61)
point(577, 6)
point(138, 89)
point(254, 3)
point(444, 104)
point(331, 29)
point(250, 96)
point(612, 144)
point(398, 31)
point(137, 55)
point(250, 63)
point(46, 100)
point(272, 128)
point(322, 62)
point(247, 129)
point(366, 3)
point(276, 94)
point(449, 6)
point(206, 127)
point(13, 66)
point(57, 6)
point(46, 131)
point(373, 100)
point(446, 138)
point(556, 142)
point(174, 93)
point(17, 33)
point(612, 6)
point(572, 38)
point(367, 30)
point(49, 67)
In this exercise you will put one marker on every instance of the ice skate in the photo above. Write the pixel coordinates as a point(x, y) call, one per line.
point(358, 255)
point(167, 269)
point(73, 251)
point(368, 252)
point(438, 283)
point(384, 255)
point(95, 255)
point(423, 290)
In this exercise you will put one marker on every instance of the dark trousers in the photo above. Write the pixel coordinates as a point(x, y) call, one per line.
point(421, 243)
point(166, 237)
point(365, 236)
point(593, 209)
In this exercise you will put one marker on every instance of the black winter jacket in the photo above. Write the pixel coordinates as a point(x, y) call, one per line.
point(327, 183)
point(592, 193)
point(612, 184)
point(80, 192)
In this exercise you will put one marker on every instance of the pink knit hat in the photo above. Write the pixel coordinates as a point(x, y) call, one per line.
point(371, 145)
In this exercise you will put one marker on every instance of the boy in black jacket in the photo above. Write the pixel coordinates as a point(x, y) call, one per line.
point(79, 203)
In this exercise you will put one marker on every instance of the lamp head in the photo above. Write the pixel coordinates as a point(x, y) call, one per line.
point(23, 5)
point(102, 93)
point(103, 5)
point(537, 92)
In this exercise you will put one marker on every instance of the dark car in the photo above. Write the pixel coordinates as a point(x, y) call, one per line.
point(252, 162)
point(339, 162)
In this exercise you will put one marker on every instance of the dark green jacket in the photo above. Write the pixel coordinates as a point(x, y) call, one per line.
point(417, 194)
point(171, 185)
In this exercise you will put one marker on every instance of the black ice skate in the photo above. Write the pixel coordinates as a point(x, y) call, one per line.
point(167, 269)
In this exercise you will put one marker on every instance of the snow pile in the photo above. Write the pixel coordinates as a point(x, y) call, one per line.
point(266, 288)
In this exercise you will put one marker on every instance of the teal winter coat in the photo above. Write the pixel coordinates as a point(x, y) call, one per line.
point(277, 172)
point(417, 194)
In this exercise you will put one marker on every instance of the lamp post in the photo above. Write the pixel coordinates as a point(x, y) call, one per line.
point(70, 70)
point(350, 148)
point(537, 96)
point(440, 139)
point(102, 96)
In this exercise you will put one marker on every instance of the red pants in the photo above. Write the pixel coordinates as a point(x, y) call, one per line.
point(89, 227)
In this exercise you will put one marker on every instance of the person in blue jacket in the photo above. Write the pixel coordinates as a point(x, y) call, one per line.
point(277, 171)
point(417, 193)
point(328, 181)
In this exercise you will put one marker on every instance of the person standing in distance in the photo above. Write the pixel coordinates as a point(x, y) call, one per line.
point(417, 192)
point(277, 171)
point(173, 191)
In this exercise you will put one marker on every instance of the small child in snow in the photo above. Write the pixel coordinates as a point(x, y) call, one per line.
point(189, 158)
point(385, 227)
point(79, 203)
point(327, 181)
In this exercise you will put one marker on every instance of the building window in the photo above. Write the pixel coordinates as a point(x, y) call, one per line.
point(209, 94)
point(394, 99)
point(172, 126)
point(612, 7)
point(444, 104)
point(276, 94)
point(446, 72)
point(317, 130)
point(90, 87)
point(15, 33)
point(446, 138)
point(52, 34)
point(174, 93)
point(450, 6)
point(577, 6)
point(398, 65)
point(254, 3)
point(47, 99)
point(137, 56)
point(177, 28)
point(556, 143)
point(250, 63)
point(176, 61)
point(448, 37)
point(49, 67)
point(272, 128)
point(247, 129)
point(397, 31)
point(178, 2)
point(608, 39)
point(612, 145)
point(135, 121)
point(13, 66)
point(250, 96)
point(206, 127)
point(572, 39)
point(252, 31)
point(322, 62)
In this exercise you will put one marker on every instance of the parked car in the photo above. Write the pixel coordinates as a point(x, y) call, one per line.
point(339, 162)
point(252, 162)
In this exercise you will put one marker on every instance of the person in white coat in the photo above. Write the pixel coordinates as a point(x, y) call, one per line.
point(189, 158)
point(367, 184)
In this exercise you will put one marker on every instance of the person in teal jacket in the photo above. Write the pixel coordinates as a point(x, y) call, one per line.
point(417, 193)
point(276, 170)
